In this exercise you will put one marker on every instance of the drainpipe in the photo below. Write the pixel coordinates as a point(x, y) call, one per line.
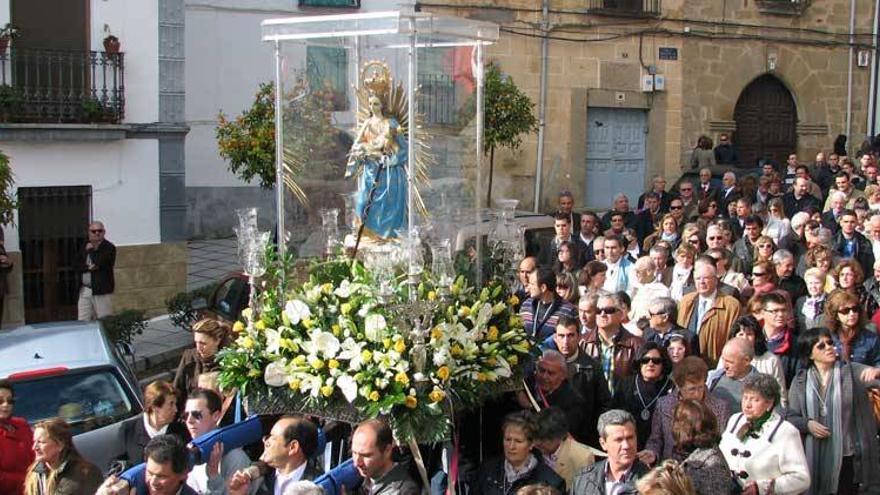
point(872, 92)
point(849, 75)
point(542, 103)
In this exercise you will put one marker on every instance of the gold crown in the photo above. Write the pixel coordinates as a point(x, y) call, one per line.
point(376, 77)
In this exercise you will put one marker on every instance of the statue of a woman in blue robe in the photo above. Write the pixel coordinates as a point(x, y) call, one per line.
point(379, 145)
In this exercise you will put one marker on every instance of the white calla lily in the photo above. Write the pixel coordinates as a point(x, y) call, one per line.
point(374, 326)
point(275, 374)
point(297, 311)
point(348, 386)
point(344, 290)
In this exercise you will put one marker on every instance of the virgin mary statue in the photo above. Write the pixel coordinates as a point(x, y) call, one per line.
point(378, 158)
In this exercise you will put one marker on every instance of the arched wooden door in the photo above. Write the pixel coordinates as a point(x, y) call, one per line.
point(766, 121)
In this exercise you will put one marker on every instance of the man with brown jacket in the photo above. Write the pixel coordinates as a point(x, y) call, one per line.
point(707, 312)
point(610, 343)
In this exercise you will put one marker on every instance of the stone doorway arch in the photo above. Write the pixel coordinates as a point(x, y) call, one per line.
point(766, 121)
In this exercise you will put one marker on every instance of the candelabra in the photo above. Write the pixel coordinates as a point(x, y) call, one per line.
point(251, 253)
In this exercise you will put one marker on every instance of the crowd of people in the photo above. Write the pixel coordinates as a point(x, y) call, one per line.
point(719, 338)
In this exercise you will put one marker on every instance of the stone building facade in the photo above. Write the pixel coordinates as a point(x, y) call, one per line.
point(774, 74)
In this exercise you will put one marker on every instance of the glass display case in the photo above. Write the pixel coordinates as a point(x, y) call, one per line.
point(378, 115)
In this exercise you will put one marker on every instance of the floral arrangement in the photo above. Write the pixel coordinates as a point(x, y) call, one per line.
point(334, 347)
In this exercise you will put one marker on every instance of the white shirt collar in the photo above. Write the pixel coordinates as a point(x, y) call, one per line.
point(282, 480)
point(152, 432)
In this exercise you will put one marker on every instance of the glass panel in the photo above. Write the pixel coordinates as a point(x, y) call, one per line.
point(88, 400)
point(327, 67)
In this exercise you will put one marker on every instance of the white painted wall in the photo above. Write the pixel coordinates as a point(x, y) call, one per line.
point(225, 63)
point(124, 176)
point(136, 24)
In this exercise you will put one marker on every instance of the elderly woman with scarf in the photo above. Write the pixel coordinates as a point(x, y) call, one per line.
point(638, 393)
point(828, 403)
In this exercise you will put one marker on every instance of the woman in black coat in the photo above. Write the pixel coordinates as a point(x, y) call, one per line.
point(520, 465)
point(159, 416)
point(639, 393)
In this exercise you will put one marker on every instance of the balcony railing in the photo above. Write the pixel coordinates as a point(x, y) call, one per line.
point(61, 86)
point(627, 8)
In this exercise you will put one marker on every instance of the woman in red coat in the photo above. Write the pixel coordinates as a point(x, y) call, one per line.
point(16, 440)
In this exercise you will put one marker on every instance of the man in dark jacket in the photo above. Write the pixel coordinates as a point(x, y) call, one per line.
point(849, 243)
point(617, 435)
point(95, 264)
point(550, 386)
point(371, 447)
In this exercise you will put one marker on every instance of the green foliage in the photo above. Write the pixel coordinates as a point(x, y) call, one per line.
point(8, 201)
point(180, 306)
point(247, 143)
point(11, 102)
point(92, 110)
point(122, 326)
point(508, 113)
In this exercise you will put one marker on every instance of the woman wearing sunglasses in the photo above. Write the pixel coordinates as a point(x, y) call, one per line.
point(828, 403)
point(16, 438)
point(638, 393)
point(846, 322)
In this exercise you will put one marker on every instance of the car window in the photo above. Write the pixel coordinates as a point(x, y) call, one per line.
point(87, 400)
point(538, 238)
point(229, 296)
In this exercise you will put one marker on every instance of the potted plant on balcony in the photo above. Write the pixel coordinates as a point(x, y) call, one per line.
point(111, 45)
point(6, 34)
point(11, 102)
point(93, 110)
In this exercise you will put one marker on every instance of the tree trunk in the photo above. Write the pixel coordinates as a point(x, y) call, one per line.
point(491, 172)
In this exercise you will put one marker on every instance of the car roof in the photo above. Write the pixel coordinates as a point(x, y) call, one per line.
point(71, 344)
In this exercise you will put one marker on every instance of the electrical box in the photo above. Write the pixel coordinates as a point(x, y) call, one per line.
point(647, 83)
point(659, 82)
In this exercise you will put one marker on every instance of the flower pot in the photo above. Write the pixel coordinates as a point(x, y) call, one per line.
point(111, 44)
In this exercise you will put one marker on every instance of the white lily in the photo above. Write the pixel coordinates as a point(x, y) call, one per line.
point(297, 311)
point(273, 340)
point(275, 374)
point(344, 290)
point(348, 387)
point(351, 352)
point(374, 326)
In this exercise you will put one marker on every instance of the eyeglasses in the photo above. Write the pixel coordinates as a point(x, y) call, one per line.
point(196, 415)
point(9, 401)
point(96, 231)
point(694, 240)
point(758, 274)
point(563, 286)
point(714, 238)
point(652, 360)
point(848, 310)
point(822, 344)
point(776, 311)
point(686, 189)
point(606, 311)
point(658, 313)
point(676, 207)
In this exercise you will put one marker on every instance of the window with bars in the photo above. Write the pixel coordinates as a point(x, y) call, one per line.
point(327, 68)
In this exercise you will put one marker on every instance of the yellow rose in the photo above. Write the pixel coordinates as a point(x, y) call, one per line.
point(327, 390)
point(247, 342)
point(492, 334)
point(513, 360)
point(366, 356)
point(456, 350)
point(333, 364)
point(399, 346)
point(464, 312)
point(336, 329)
point(401, 378)
point(260, 325)
point(387, 343)
point(307, 322)
point(513, 300)
point(299, 360)
point(411, 402)
point(317, 363)
point(238, 327)
point(327, 288)
point(432, 295)
point(436, 333)
point(374, 396)
point(481, 377)
point(443, 373)
point(345, 308)
point(294, 384)
point(436, 395)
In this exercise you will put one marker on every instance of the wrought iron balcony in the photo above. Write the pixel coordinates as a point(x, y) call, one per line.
point(625, 8)
point(61, 86)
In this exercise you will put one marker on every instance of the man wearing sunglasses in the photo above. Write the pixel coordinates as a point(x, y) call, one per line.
point(201, 416)
point(610, 343)
point(95, 265)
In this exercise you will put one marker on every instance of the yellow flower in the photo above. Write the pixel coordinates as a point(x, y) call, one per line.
point(481, 377)
point(336, 329)
point(492, 334)
point(387, 343)
point(238, 327)
point(366, 355)
point(401, 378)
point(254, 373)
point(333, 364)
point(513, 360)
point(327, 390)
point(456, 350)
point(327, 288)
point(399, 346)
point(260, 325)
point(443, 373)
point(345, 308)
point(411, 402)
point(464, 312)
point(432, 295)
point(514, 321)
point(247, 342)
point(513, 300)
point(294, 384)
point(436, 395)
point(374, 396)
point(436, 333)
point(299, 360)
point(317, 363)
point(307, 322)
point(492, 361)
